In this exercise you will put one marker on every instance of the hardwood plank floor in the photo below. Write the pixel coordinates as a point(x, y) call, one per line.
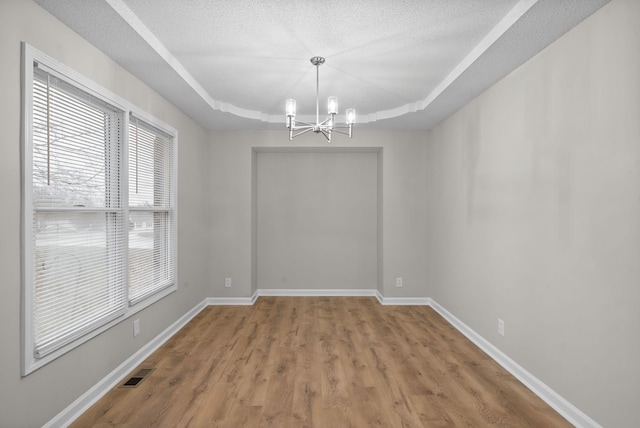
point(321, 362)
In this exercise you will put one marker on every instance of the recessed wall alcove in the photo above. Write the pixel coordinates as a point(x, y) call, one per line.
point(316, 218)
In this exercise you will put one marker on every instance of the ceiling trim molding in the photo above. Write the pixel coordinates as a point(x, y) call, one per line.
point(143, 31)
point(515, 14)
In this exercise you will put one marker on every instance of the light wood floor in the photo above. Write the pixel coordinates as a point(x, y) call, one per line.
point(321, 362)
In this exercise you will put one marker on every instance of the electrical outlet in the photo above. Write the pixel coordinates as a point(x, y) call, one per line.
point(136, 327)
point(500, 327)
point(399, 282)
point(227, 282)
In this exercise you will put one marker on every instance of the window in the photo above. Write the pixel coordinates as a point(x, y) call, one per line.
point(99, 207)
point(151, 219)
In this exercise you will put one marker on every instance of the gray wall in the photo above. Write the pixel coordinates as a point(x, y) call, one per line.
point(317, 220)
point(56, 385)
point(534, 215)
point(401, 228)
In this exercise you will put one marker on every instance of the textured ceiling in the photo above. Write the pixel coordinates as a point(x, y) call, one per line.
point(400, 63)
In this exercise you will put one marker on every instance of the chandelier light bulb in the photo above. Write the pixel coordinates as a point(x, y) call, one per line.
point(332, 105)
point(351, 116)
point(290, 107)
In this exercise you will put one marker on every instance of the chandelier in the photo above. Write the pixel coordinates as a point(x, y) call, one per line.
point(327, 126)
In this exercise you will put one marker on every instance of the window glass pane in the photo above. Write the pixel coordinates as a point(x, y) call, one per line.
point(78, 245)
point(70, 137)
point(150, 166)
point(78, 274)
point(151, 233)
point(150, 253)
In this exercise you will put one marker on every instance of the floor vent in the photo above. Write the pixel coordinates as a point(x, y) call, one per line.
point(138, 377)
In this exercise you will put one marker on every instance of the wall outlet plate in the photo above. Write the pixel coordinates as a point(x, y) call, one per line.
point(227, 282)
point(136, 327)
point(500, 327)
point(399, 282)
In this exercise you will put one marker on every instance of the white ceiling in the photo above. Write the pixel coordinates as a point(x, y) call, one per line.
point(230, 65)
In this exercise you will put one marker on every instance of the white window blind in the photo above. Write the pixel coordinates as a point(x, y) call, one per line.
point(151, 210)
point(78, 244)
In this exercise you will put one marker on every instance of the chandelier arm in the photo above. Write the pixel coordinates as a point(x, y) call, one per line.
point(302, 125)
point(341, 132)
point(324, 122)
point(327, 135)
point(302, 132)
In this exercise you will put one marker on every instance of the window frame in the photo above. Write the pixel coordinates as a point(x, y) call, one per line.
point(30, 55)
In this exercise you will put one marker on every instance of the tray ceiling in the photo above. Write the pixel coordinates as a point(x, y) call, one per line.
point(401, 63)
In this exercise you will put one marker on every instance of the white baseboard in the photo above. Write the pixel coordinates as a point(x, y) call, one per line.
point(86, 400)
point(404, 301)
point(235, 301)
point(549, 396)
point(284, 292)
